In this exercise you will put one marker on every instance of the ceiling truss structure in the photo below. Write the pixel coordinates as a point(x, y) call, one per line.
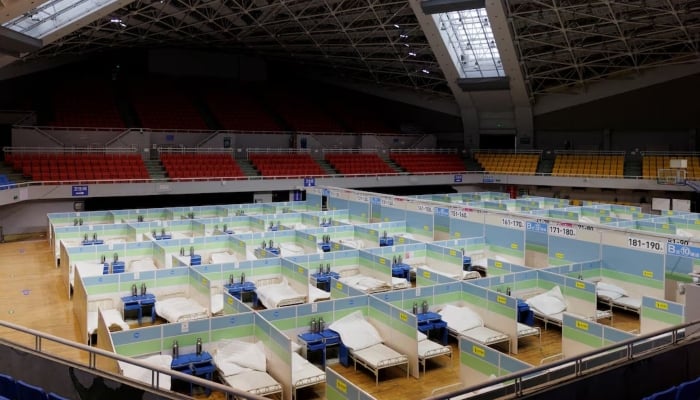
point(565, 45)
point(376, 41)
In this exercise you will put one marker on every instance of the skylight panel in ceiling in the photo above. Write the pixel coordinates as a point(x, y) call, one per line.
point(470, 41)
point(54, 15)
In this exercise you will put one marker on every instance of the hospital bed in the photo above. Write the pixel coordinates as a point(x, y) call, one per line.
point(461, 275)
point(242, 365)
point(217, 300)
point(428, 349)
point(291, 249)
point(549, 307)
point(361, 342)
point(615, 296)
point(465, 322)
point(145, 375)
point(222, 257)
point(355, 244)
point(176, 307)
point(276, 292)
point(114, 320)
point(352, 277)
point(304, 374)
point(143, 264)
point(316, 294)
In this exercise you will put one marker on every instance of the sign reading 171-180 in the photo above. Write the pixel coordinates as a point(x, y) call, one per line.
point(655, 246)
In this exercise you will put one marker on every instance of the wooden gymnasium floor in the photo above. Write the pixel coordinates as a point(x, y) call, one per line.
point(34, 296)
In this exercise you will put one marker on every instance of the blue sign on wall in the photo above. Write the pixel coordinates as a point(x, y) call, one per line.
point(458, 178)
point(309, 181)
point(79, 191)
point(675, 249)
point(540, 227)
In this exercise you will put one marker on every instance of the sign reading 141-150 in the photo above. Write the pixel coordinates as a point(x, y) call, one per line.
point(656, 246)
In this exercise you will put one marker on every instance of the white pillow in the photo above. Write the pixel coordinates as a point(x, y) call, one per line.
point(460, 319)
point(245, 354)
point(556, 293)
point(547, 304)
point(609, 287)
point(355, 332)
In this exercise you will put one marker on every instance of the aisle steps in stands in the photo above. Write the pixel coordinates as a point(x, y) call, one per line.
point(390, 162)
point(155, 169)
point(326, 166)
point(247, 167)
point(633, 165)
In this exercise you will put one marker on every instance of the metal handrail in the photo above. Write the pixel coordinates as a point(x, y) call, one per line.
point(93, 352)
point(518, 380)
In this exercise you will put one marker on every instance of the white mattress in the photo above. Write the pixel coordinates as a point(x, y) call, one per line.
point(291, 249)
point(357, 244)
point(272, 296)
point(217, 303)
point(427, 348)
point(87, 269)
point(486, 335)
point(379, 356)
point(365, 283)
point(629, 302)
point(304, 373)
point(145, 375)
point(252, 381)
point(144, 264)
point(399, 283)
point(176, 309)
point(316, 294)
point(223, 257)
point(526, 330)
point(111, 316)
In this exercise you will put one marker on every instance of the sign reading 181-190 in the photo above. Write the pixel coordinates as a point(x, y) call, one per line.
point(646, 244)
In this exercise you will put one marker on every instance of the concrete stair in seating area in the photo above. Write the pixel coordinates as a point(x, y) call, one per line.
point(155, 169)
point(327, 167)
point(396, 167)
point(247, 167)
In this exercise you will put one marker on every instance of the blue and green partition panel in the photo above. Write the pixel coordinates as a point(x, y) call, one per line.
point(392, 208)
point(498, 267)
point(436, 295)
point(233, 306)
point(415, 253)
point(580, 295)
point(219, 274)
point(398, 329)
point(229, 225)
point(425, 278)
point(566, 214)
point(142, 215)
point(340, 290)
point(658, 314)
point(500, 205)
point(314, 196)
point(479, 363)
point(593, 214)
point(581, 335)
point(238, 210)
point(296, 275)
point(338, 260)
point(81, 218)
point(505, 237)
point(634, 262)
point(159, 339)
point(254, 242)
point(572, 242)
point(549, 203)
point(357, 204)
point(655, 225)
point(325, 219)
point(474, 247)
point(536, 242)
point(292, 207)
point(375, 266)
point(337, 234)
point(626, 212)
point(199, 289)
point(277, 221)
point(681, 260)
point(687, 225)
point(309, 242)
point(278, 353)
point(294, 320)
point(368, 234)
point(441, 223)
point(419, 218)
point(498, 310)
point(339, 388)
point(587, 270)
point(194, 212)
point(261, 269)
point(529, 203)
